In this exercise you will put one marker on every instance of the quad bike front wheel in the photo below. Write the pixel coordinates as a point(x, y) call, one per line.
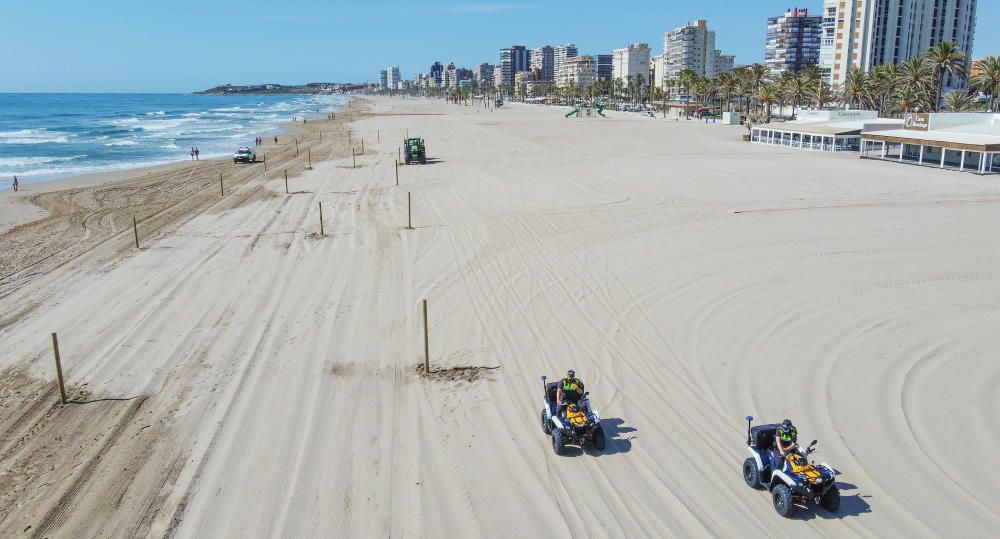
point(831, 500)
point(751, 474)
point(546, 425)
point(782, 497)
point(558, 442)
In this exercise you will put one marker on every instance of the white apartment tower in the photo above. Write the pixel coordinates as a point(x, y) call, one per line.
point(868, 33)
point(693, 47)
point(392, 77)
point(630, 61)
point(579, 70)
point(559, 56)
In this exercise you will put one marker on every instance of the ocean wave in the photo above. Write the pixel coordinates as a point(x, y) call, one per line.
point(35, 161)
point(33, 136)
point(123, 143)
point(157, 113)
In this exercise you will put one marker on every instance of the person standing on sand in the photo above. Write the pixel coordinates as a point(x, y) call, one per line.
point(192, 153)
point(197, 154)
point(15, 183)
point(275, 140)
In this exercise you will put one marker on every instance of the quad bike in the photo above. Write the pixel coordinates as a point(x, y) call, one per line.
point(577, 426)
point(792, 480)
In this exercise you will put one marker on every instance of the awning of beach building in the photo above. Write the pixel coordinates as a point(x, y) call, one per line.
point(968, 148)
point(834, 136)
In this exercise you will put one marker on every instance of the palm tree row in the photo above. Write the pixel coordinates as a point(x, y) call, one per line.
point(913, 85)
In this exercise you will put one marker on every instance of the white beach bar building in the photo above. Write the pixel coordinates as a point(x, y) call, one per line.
point(823, 130)
point(967, 142)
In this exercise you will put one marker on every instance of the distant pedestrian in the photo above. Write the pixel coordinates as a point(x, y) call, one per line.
point(15, 183)
point(192, 153)
point(275, 140)
point(197, 154)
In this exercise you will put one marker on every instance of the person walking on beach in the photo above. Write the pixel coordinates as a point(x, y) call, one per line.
point(197, 154)
point(15, 183)
point(275, 140)
point(192, 153)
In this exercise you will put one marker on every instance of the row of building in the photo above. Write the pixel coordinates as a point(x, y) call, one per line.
point(848, 34)
point(863, 34)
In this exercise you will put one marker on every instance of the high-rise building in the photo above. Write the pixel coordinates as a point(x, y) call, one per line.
point(392, 77)
point(484, 73)
point(560, 54)
point(383, 79)
point(543, 59)
point(605, 66)
point(656, 70)
point(793, 41)
point(869, 33)
point(579, 70)
point(693, 47)
point(512, 60)
point(631, 61)
point(437, 74)
point(497, 76)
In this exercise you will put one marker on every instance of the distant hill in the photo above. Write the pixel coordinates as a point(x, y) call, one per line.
point(260, 89)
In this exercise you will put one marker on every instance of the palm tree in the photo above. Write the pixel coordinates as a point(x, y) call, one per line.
point(758, 75)
point(798, 91)
point(987, 81)
point(945, 58)
point(855, 88)
point(910, 98)
point(916, 79)
point(882, 83)
point(727, 84)
point(958, 101)
point(822, 95)
point(768, 95)
point(686, 78)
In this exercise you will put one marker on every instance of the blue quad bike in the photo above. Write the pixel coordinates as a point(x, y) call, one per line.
point(578, 425)
point(790, 480)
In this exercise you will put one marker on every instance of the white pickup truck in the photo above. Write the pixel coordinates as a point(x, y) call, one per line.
point(245, 155)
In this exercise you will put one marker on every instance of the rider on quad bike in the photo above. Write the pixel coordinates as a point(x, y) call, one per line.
point(570, 390)
point(785, 441)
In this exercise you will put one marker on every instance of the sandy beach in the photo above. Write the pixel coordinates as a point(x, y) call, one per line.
point(241, 375)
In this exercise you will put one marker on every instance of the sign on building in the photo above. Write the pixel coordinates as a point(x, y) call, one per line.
point(916, 121)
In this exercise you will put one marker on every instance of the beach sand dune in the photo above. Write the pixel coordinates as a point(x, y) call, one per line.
point(690, 279)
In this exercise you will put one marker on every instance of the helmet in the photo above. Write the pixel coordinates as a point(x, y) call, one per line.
point(571, 373)
point(786, 423)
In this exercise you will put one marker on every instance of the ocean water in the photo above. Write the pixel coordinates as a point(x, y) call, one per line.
point(47, 136)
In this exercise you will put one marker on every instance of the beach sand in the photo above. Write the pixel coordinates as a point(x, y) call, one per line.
point(241, 375)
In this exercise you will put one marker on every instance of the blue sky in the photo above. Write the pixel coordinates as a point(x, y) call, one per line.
point(163, 46)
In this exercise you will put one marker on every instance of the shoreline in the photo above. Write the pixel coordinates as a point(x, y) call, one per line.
point(20, 210)
point(52, 222)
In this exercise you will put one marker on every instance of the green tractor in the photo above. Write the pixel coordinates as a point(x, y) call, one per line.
point(413, 149)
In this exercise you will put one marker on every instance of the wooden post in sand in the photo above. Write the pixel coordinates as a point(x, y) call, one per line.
point(354, 162)
point(59, 376)
point(222, 192)
point(409, 212)
point(286, 181)
point(321, 233)
point(310, 152)
point(362, 146)
point(427, 347)
point(135, 231)
point(321, 136)
point(296, 147)
point(397, 173)
point(378, 134)
point(265, 162)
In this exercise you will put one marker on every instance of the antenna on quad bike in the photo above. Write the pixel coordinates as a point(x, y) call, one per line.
point(544, 378)
point(749, 420)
